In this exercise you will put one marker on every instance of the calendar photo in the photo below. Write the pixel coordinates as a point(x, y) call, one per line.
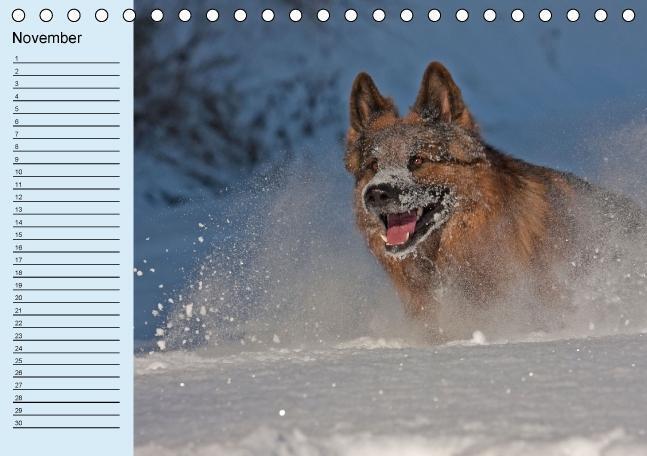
point(326, 228)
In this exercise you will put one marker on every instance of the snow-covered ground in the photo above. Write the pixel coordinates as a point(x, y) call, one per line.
point(384, 397)
point(284, 337)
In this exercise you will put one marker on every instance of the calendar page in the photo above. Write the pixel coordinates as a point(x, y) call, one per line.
point(325, 227)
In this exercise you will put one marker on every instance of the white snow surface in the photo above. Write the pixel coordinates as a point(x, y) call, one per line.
point(372, 396)
point(280, 267)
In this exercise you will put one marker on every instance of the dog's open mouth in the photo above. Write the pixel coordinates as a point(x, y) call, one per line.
point(405, 229)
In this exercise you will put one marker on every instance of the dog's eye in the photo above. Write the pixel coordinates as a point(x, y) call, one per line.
point(416, 161)
point(372, 165)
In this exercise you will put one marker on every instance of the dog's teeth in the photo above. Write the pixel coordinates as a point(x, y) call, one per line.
point(383, 237)
point(419, 212)
point(407, 237)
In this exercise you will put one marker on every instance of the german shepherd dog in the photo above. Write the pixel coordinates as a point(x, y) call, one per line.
point(443, 210)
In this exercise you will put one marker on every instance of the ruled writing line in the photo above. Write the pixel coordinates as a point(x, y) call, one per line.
point(65, 376)
point(67, 327)
point(67, 364)
point(66, 289)
point(65, 277)
point(67, 163)
point(67, 389)
point(66, 427)
point(65, 126)
point(66, 315)
point(65, 239)
point(66, 302)
point(63, 264)
point(66, 201)
point(52, 62)
point(66, 88)
point(68, 353)
point(48, 138)
point(57, 176)
point(63, 100)
point(66, 251)
point(66, 113)
point(66, 414)
point(66, 75)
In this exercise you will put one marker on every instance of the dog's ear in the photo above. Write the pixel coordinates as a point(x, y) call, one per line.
point(367, 104)
point(439, 99)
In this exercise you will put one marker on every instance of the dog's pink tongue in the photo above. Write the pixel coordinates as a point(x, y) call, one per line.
point(399, 227)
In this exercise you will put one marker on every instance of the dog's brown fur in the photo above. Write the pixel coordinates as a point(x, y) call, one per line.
point(513, 221)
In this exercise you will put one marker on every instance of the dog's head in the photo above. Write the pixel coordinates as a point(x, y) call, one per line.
point(412, 172)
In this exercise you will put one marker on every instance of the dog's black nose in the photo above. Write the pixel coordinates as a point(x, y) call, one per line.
point(380, 195)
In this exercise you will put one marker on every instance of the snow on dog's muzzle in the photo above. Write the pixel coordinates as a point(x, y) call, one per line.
point(408, 214)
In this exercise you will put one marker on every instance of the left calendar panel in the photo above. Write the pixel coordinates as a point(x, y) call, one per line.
point(68, 256)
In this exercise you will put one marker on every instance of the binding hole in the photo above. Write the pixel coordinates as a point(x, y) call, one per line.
point(489, 15)
point(573, 15)
point(157, 15)
point(434, 15)
point(628, 15)
point(101, 15)
point(46, 15)
point(323, 15)
point(18, 15)
point(462, 15)
point(128, 15)
point(267, 15)
point(212, 15)
point(295, 15)
point(406, 15)
point(517, 15)
point(240, 15)
point(545, 15)
point(74, 15)
point(184, 15)
point(350, 15)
